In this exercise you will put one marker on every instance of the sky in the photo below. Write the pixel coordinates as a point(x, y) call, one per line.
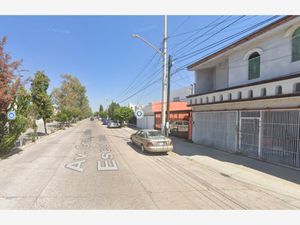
point(101, 53)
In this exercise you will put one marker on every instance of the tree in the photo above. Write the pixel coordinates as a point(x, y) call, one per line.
point(111, 109)
point(12, 97)
point(32, 116)
point(103, 114)
point(9, 81)
point(14, 128)
point(40, 98)
point(101, 108)
point(123, 114)
point(71, 98)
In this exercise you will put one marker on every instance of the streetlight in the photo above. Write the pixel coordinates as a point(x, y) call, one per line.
point(148, 43)
point(163, 53)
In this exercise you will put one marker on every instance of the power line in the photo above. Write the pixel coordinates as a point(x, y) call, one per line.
point(146, 78)
point(219, 31)
point(180, 25)
point(138, 75)
point(148, 84)
point(212, 24)
point(222, 41)
point(208, 33)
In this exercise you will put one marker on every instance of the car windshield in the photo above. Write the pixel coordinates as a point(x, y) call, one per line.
point(154, 134)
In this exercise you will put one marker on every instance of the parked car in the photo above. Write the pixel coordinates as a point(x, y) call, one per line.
point(152, 141)
point(113, 124)
point(179, 126)
point(105, 121)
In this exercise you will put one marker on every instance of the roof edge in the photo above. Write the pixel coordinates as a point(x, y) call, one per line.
point(243, 40)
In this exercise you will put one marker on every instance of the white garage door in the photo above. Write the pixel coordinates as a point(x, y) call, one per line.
point(147, 122)
point(216, 129)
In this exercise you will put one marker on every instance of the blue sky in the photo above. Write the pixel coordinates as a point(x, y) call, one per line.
point(100, 51)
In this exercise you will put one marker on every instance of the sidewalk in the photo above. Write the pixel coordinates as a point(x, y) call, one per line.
point(275, 178)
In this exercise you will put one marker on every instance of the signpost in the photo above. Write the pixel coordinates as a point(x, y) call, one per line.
point(11, 115)
point(139, 114)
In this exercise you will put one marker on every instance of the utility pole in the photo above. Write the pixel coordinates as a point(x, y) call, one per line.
point(170, 63)
point(164, 84)
point(163, 53)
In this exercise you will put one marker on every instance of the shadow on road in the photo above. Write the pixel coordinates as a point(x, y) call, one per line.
point(185, 148)
point(12, 152)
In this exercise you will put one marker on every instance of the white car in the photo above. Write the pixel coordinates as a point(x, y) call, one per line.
point(113, 124)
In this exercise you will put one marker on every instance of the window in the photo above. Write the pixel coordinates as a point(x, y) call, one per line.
point(278, 90)
point(229, 96)
point(142, 134)
point(195, 101)
point(250, 94)
point(191, 102)
point(263, 92)
point(206, 99)
point(213, 99)
point(254, 66)
point(296, 45)
point(239, 95)
point(200, 100)
point(297, 88)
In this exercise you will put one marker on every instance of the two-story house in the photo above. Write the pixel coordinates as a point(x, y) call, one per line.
point(247, 95)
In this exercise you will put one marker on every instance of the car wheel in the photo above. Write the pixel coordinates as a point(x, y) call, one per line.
point(142, 148)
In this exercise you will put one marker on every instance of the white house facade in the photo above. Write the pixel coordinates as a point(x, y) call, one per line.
point(247, 95)
point(179, 95)
point(147, 122)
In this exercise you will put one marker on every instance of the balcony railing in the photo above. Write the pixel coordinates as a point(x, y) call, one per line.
point(284, 86)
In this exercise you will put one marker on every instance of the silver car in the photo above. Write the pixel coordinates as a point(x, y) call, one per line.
point(152, 141)
point(179, 126)
point(113, 124)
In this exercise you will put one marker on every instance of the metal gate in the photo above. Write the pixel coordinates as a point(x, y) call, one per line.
point(273, 136)
point(281, 137)
point(270, 135)
point(249, 133)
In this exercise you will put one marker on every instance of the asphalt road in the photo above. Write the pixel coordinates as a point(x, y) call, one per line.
point(90, 166)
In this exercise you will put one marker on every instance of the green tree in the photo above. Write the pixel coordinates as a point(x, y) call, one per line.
point(14, 128)
point(71, 98)
point(111, 110)
point(40, 98)
point(13, 96)
point(101, 108)
point(123, 114)
point(103, 114)
point(32, 117)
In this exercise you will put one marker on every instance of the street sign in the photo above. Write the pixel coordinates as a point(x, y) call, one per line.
point(11, 115)
point(139, 114)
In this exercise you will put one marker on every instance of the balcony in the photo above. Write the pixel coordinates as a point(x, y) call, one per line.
point(286, 86)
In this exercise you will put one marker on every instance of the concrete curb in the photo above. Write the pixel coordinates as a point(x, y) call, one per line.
point(15, 149)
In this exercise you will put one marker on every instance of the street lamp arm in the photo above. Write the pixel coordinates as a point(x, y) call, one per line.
point(148, 43)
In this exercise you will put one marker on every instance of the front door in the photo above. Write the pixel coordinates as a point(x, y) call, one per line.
point(249, 135)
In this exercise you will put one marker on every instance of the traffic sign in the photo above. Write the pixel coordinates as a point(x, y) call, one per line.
point(139, 114)
point(11, 115)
